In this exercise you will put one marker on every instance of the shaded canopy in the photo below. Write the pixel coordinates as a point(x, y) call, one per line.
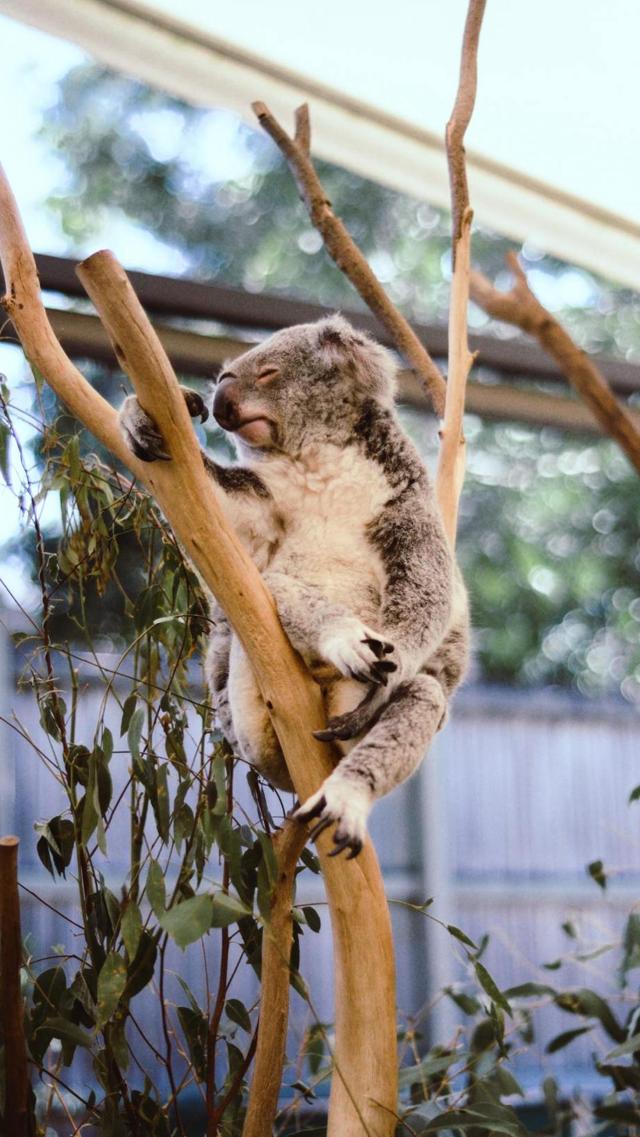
point(553, 147)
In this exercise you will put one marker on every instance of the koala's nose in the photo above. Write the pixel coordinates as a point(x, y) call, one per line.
point(226, 405)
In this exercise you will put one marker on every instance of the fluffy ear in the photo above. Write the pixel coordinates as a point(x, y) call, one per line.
point(336, 338)
point(372, 366)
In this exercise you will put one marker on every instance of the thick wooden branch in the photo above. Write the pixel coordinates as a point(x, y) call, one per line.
point(452, 456)
point(16, 1071)
point(365, 1011)
point(344, 250)
point(521, 308)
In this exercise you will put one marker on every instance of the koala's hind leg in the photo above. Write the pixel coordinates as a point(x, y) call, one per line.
point(320, 629)
point(386, 756)
point(256, 739)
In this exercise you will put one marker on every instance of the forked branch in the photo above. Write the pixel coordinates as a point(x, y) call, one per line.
point(521, 308)
point(365, 1011)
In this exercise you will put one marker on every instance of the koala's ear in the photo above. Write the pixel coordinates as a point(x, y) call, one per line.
point(337, 340)
point(370, 365)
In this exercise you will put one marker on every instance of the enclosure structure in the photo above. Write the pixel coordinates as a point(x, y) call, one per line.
point(110, 291)
point(520, 793)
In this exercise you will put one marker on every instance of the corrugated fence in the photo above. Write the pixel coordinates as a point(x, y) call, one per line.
point(518, 795)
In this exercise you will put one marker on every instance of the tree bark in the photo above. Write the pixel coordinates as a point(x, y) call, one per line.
point(17, 1119)
point(274, 993)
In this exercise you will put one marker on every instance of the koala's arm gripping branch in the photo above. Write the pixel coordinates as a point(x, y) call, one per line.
point(364, 1088)
point(341, 246)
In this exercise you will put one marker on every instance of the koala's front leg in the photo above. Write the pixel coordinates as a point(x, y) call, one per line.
point(417, 571)
point(317, 628)
point(141, 433)
point(384, 758)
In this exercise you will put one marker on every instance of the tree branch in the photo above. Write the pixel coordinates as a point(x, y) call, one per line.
point(274, 994)
point(521, 308)
point(460, 119)
point(365, 997)
point(452, 456)
point(344, 250)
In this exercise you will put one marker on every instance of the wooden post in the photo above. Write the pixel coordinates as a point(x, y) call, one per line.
point(16, 1073)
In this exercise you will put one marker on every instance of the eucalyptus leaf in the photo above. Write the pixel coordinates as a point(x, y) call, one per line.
point(131, 927)
point(64, 1029)
point(155, 889)
point(458, 934)
point(490, 986)
point(111, 984)
point(134, 732)
point(188, 921)
point(237, 1012)
point(227, 909)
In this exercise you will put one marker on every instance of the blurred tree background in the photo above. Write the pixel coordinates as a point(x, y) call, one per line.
point(549, 528)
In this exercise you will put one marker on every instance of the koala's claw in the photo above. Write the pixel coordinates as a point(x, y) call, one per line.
point(147, 444)
point(343, 802)
point(356, 651)
point(378, 647)
point(196, 405)
point(353, 844)
point(348, 725)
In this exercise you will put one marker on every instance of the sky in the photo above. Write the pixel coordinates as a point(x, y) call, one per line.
point(31, 65)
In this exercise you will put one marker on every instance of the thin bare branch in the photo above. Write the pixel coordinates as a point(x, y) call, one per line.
point(521, 308)
point(346, 253)
point(452, 457)
point(460, 119)
point(302, 134)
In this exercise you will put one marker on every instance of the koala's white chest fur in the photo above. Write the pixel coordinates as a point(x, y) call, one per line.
point(325, 501)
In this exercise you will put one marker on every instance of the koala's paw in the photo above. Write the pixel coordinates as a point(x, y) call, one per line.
point(342, 802)
point(357, 651)
point(141, 433)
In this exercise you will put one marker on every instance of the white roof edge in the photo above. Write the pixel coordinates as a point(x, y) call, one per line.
point(207, 71)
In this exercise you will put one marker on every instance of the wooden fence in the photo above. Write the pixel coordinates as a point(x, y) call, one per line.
point(519, 794)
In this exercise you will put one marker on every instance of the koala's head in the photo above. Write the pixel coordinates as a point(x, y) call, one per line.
point(304, 385)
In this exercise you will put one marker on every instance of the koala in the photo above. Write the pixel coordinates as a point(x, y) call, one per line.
point(335, 505)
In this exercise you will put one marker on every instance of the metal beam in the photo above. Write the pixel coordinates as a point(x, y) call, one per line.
point(198, 355)
point(190, 299)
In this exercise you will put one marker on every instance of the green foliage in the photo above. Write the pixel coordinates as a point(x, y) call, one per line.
point(554, 577)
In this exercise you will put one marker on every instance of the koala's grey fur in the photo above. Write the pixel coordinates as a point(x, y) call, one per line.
point(335, 505)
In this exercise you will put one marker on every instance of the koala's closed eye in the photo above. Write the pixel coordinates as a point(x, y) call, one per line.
point(266, 374)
